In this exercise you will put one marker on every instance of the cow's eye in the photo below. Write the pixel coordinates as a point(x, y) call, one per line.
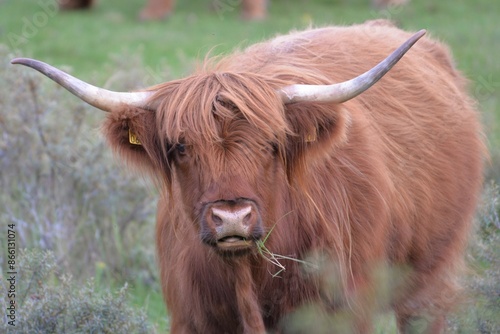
point(181, 148)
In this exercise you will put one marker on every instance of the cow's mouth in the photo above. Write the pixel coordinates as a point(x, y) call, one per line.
point(234, 243)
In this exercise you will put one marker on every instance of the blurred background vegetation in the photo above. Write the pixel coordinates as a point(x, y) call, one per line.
point(67, 195)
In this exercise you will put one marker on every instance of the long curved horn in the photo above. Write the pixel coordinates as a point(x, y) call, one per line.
point(98, 97)
point(341, 92)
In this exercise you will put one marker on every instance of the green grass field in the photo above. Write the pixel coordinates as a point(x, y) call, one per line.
point(109, 47)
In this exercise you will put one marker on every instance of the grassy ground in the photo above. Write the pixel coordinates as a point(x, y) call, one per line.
point(109, 47)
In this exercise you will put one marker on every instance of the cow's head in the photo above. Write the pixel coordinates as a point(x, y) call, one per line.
point(224, 144)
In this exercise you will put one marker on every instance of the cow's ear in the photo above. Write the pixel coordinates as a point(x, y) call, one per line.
point(317, 129)
point(131, 132)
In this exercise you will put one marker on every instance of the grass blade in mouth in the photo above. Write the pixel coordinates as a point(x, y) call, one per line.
point(275, 258)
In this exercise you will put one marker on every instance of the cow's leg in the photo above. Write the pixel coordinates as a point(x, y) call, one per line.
point(431, 296)
point(248, 304)
point(254, 9)
point(157, 9)
point(424, 312)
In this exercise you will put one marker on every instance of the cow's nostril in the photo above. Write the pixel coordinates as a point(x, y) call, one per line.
point(247, 219)
point(217, 220)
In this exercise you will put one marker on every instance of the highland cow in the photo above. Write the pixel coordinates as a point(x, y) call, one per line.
point(289, 176)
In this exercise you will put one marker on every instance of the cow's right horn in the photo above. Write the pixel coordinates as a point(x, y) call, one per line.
point(344, 91)
point(98, 97)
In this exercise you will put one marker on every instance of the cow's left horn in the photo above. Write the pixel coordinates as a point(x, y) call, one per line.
point(341, 92)
point(98, 97)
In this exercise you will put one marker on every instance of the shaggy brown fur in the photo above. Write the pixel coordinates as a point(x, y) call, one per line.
point(390, 181)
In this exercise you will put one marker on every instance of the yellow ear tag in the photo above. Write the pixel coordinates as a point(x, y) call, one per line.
point(311, 137)
point(132, 138)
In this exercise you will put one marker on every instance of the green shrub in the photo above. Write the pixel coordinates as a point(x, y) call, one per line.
point(61, 186)
point(48, 302)
point(481, 308)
